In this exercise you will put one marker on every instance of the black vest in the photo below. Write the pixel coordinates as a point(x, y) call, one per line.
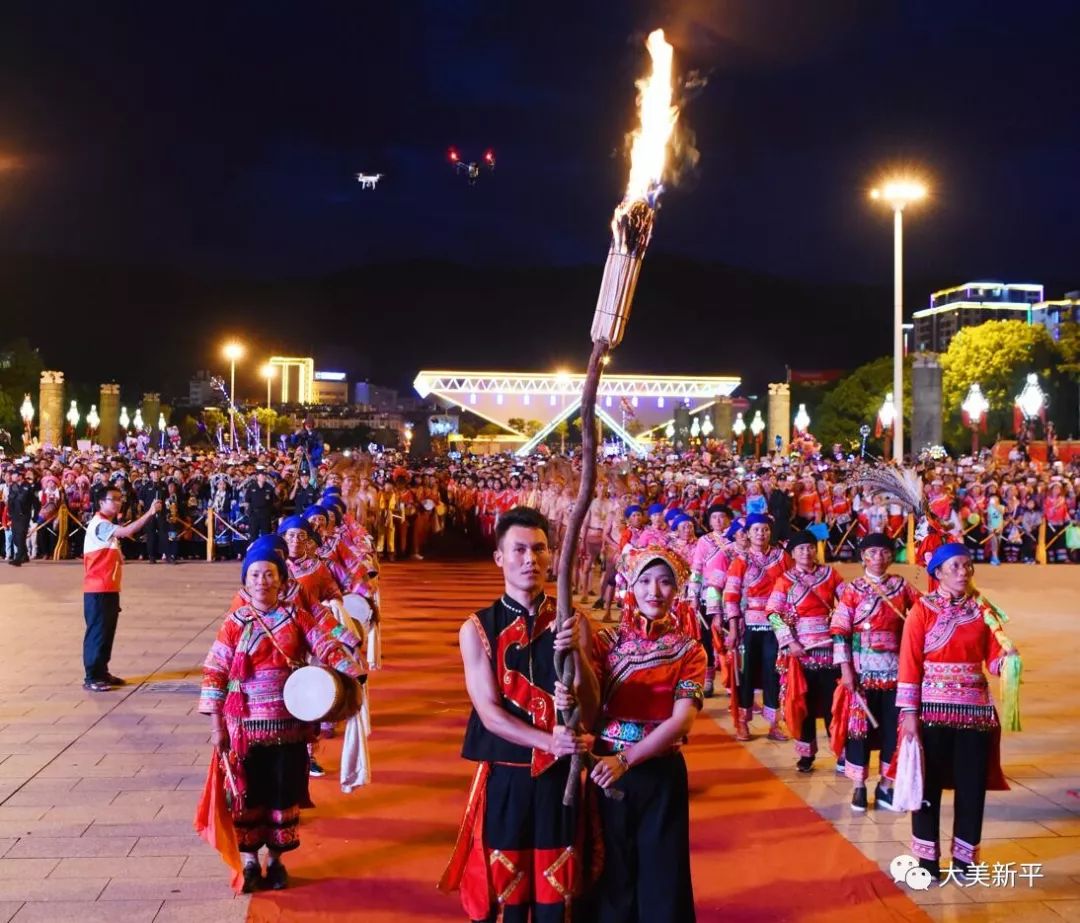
point(524, 676)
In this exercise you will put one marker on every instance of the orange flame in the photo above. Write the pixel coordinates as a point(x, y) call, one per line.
point(657, 118)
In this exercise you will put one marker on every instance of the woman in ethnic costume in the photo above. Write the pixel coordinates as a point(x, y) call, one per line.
point(942, 693)
point(257, 647)
point(651, 678)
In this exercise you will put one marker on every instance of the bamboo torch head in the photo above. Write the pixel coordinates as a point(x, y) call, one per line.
point(632, 222)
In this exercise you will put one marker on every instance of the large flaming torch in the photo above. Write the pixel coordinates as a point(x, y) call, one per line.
point(631, 231)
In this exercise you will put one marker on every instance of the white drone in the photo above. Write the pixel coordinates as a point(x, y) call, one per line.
point(368, 180)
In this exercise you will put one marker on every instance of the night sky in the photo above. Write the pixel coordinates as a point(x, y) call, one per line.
point(219, 140)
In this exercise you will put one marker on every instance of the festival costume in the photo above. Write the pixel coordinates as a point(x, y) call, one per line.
point(749, 583)
point(866, 626)
point(708, 573)
point(945, 643)
point(644, 667)
point(799, 608)
point(516, 847)
point(243, 679)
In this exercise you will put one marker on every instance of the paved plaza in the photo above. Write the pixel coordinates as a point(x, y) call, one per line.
point(97, 791)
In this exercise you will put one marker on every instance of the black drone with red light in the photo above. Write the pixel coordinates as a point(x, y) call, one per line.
point(471, 168)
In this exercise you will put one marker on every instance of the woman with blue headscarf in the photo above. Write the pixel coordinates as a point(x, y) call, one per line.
point(257, 648)
point(949, 636)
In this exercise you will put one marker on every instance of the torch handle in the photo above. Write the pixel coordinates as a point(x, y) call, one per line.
point(564, 663)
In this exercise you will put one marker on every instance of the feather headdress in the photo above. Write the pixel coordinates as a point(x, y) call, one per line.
point(903, 484)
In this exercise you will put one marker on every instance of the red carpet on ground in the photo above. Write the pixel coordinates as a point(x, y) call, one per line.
point(759, 853)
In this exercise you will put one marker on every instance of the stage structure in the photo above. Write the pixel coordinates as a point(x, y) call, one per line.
point(624, 402)
point(305, 378)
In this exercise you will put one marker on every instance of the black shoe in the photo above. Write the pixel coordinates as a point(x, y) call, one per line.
point(314, 769)
point(599, 604)
point(15, 563)
point(932, 866)
point(277, 879)
point(883, 798)
point(96, 685)
point(115, 680)
point(805, 764)
point(858, 799)
point(253, 879)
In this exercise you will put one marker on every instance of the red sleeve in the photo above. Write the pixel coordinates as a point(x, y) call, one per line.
point(909, 678)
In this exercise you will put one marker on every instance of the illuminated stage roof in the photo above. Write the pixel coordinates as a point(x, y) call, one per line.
point(549, 398)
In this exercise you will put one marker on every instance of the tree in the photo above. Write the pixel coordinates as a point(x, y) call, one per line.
point(855, 402)
point(532, 427)
point(215, 419)
point(998, 355)
point(20, 373)
point(516, 423)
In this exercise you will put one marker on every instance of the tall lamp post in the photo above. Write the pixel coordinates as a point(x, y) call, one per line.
point(757, 427)
point(232, 352)
point(802, 420)
point(26, 411)
point(161, 425)
point(125, 420)
point(73, 420)
point(739, 429)
point(1030, 402)
point(268, 372)
point(897, 194)
point(973, 411)
point(888, 423)
point(93, 421)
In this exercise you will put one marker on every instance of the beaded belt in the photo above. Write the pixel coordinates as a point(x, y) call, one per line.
point(619, 735)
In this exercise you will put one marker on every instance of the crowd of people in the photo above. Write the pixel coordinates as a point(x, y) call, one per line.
point(716, 567)
point(996, 509)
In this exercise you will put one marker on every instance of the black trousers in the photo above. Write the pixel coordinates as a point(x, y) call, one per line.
point(759, 671)
point(526, 821)
point(646, 877)
point(820, 686)
point(19, 528)
point(955, 758)
point(705, 634)
point(157, 537)
point(882, 704)
point(101, 612)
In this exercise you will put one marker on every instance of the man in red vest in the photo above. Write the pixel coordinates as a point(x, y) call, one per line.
point(103, 565)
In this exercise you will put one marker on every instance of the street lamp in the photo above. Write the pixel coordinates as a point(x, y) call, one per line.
point(268, 372)
point(802, 420)
point(161, 429)
point(1031, 401)
point(973, 411)
point(73, 420)
point(92, 423)
point(739, 429)
point(26, 411)
point(232, 351)
point(669, 431)
point(887, 422)
point(757, 427)
point(695, 429)
point(897, 194)
point(707, 427)
point(137, 422)
point(125, 420)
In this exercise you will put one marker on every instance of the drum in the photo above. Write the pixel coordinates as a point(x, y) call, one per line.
point(428, 504)
point(315, 693)
point(359, 608)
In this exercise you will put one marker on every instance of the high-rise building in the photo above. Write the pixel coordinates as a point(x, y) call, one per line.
point(1052, 314)
point(969, 305)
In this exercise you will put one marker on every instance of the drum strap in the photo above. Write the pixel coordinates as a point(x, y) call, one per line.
point(293, 664)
